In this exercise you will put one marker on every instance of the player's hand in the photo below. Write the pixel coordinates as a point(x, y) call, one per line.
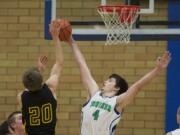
point(54, 29)
point(162, 62)
point(42, 63)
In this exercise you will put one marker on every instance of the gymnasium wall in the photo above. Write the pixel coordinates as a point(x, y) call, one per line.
point(22, 41)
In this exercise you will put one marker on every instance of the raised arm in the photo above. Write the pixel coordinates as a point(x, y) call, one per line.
point(53, 80)
point(124, 99)
point(86, 76)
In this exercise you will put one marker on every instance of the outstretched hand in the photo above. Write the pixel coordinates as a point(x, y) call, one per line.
point(42, 63)
point(54, 29)
point(162, 62)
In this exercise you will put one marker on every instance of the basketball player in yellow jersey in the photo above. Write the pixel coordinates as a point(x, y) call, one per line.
point(177, 131)
point(39, 99)
point(105, 105)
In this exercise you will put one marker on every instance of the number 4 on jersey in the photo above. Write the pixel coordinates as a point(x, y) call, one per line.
point(96, 114)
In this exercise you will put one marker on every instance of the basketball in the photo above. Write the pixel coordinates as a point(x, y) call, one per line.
point(65, 30)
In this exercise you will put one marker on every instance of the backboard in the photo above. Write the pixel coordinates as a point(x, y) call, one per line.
point(87, 24)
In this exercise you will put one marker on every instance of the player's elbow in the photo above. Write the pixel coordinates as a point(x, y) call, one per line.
point(137, 86)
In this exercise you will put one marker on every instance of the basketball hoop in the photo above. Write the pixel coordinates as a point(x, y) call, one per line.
point(118, 21)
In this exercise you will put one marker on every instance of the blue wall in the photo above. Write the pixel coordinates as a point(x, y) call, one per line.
point(173, 72)
point(47, 18)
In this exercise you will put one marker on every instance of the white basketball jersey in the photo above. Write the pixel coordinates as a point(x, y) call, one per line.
point(99, 116)
point(176, 132)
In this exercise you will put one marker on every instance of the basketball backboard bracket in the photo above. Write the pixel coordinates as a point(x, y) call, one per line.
point(149, 10)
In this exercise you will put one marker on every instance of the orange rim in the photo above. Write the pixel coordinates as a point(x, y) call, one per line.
point(119, 8)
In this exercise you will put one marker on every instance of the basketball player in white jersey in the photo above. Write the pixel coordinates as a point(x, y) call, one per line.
point(177, 131)
point(105, 105)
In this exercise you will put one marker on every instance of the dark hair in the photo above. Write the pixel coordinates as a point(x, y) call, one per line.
point(32, 79)
point(120, 83)
point(4, 127)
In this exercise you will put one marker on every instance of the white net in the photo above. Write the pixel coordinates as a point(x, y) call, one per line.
point(119, 23)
